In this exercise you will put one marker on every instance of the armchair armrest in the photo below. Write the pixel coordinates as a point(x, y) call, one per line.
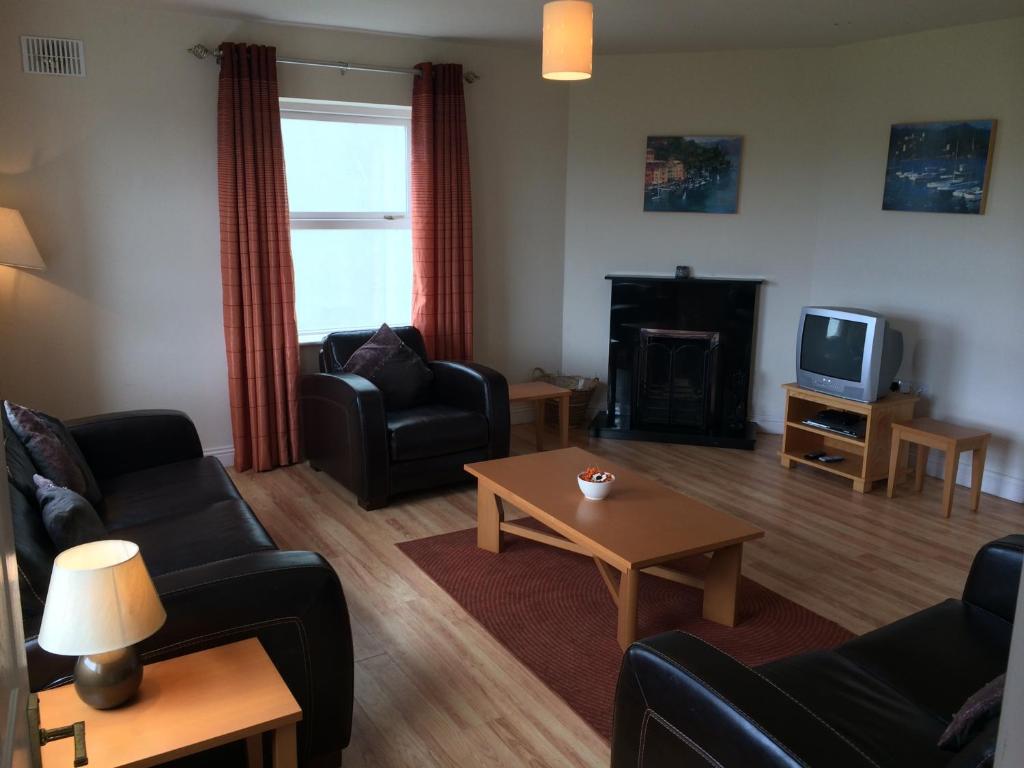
point(995, 576)
point(681, 702)
point(476, 388)
point(345, 432)
point(116, 443)
point(291, 601)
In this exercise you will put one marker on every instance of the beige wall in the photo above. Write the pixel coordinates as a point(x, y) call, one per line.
point(115, 174)
point(815, 126)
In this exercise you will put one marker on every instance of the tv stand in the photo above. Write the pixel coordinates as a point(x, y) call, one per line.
point(865, 460)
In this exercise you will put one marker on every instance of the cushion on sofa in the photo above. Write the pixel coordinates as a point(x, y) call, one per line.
point(69, 518)
point(434, 430)
point(53, 450)
point(884, 724)
point(164, 491)
point(912, 655)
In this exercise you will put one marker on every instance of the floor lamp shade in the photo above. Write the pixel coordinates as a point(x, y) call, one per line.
point(568, 43)
point(101, 599)
point(17, 248)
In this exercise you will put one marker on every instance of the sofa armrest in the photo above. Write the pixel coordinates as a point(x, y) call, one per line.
point(291, 601)
point(995, 576)
point(681, 702)
point(476, 388)
point(115, 443)
point(345, 432)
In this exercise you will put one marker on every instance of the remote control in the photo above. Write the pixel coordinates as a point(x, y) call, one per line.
point(814, 455)
point(830, 459)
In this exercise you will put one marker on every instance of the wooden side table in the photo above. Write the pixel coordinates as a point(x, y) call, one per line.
point(185, 705)
point(949, 438)
point(537, 392)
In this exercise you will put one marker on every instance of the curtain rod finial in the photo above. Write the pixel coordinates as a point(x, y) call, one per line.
point(471, 77)
point(200, 51)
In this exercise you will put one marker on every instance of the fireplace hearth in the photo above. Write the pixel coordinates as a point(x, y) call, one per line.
point(679, 360)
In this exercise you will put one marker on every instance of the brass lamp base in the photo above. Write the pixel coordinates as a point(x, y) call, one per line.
point(107, 680)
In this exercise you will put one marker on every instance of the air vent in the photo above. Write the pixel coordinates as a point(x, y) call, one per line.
point(53, 56)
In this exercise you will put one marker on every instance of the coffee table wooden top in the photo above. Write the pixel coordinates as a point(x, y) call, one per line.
point(535, 390)
point(641, 523)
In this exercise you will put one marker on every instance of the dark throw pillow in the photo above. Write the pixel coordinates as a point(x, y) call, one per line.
point(395, 368)
point(981, 707)
point(53, 450)
point(69, 518)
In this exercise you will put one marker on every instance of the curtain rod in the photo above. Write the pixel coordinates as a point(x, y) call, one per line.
point(200, 51)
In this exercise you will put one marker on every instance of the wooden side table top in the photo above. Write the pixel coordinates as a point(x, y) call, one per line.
point(185, 705)
point(939, 429)
point(535, 390)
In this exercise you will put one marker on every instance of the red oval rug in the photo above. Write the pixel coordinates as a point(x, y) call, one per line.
point(552, 611)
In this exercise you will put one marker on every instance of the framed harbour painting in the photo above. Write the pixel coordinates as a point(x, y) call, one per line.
point(698, 174)
point(940, 167)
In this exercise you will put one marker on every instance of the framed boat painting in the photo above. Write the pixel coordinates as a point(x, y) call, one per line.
point(939, 167)
point(698, 174)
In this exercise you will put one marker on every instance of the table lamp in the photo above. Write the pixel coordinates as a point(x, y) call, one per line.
point(17, 248)
point(100, 603)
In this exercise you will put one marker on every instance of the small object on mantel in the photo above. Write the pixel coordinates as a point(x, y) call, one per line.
point(683, 272)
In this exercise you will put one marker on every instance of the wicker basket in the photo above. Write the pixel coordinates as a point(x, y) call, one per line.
point(582, 390)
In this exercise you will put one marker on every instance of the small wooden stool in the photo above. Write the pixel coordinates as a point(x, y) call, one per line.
point(949, 438)
point(537, 392)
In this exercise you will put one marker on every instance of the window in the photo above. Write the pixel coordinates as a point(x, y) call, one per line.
point(348, 190)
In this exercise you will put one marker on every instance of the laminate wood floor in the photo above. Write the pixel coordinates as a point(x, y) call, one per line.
point(434, 689)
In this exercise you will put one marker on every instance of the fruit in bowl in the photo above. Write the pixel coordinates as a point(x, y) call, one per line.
point(595, 483)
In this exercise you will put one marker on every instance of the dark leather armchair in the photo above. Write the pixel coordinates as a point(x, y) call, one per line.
point(377, 453)
point(880, 700)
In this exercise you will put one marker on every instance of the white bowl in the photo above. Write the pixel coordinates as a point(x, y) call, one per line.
point(595, 491)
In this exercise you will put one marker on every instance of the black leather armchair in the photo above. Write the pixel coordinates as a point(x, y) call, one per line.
point(880, 700)
point(377, 453)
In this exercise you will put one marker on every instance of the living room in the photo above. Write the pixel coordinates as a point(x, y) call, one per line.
point(115, 177)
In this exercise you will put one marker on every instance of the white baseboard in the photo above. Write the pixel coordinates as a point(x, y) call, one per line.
point(769, 426)
point(522, 413)
point(993, 482)
point(226, 454)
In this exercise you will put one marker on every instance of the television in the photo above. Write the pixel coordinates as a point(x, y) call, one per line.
point(851, 353)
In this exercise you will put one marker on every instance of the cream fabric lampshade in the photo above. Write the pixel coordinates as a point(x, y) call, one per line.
point(100, 599)
point(568, 40)
point(17, 248)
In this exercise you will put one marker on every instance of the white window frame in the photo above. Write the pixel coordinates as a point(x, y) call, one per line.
point(350, 112)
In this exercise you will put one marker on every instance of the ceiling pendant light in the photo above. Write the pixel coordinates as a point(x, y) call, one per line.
point(568, 40)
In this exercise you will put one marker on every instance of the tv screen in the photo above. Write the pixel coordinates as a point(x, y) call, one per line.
point(833, 347)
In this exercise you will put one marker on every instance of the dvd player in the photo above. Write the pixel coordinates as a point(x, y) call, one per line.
point(840, 422)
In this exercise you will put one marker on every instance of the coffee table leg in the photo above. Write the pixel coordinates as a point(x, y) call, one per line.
point(563, 419)
point(721, 584)
point(489, 514)
point(628, 583)
point(285, 755)
point(538, 426)
point(254, 751)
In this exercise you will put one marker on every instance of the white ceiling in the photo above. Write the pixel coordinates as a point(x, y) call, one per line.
point(627, 26)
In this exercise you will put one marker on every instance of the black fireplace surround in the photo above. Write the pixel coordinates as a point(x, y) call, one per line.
point(679, 358)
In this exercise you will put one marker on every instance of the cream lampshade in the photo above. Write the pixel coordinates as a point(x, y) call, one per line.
point(17, 248)
point(100, 603)
point(568, 40)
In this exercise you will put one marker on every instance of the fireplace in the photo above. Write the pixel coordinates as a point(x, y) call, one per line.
point(679, 358)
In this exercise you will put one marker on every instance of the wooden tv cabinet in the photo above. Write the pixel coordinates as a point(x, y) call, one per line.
point(865, 460)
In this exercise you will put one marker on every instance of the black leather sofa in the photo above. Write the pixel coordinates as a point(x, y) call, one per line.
point(880, 700)
point(219, 574)
point(377, 453)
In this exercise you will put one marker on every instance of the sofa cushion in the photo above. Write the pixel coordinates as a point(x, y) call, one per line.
point(69, 518)
point(434, 430)
point(198, 535)
point(165, 491)
point(936, 657)
point(53, 450)
point(888, 727)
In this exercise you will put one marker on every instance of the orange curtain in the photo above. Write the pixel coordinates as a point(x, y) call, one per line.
point(256, 261)
point(442, 216)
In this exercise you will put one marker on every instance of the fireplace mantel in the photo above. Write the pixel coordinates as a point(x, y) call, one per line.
point(684, 389)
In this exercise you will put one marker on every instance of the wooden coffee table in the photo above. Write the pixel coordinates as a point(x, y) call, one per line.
point(640, 527)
